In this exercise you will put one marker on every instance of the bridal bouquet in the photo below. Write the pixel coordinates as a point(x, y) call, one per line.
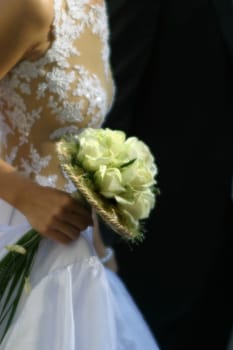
point(115, 175)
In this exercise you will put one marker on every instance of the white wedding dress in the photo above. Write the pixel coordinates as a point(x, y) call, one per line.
point(75, 303)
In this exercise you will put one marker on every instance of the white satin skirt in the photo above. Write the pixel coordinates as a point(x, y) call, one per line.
point(75, 302)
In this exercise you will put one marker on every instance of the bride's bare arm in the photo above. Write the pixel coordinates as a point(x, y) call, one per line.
point(23, 26)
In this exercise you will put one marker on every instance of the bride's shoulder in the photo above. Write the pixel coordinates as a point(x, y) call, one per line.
point(23, 24)
point(30, 12)
point(41, 10)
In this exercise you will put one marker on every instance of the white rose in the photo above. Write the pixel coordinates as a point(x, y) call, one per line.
point(138, 204)
point(139, 150)
point(130, 221)
point(108, 181)
point(99, 146)
point(137, 175)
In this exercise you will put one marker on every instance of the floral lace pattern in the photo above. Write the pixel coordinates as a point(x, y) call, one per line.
point(62, 91)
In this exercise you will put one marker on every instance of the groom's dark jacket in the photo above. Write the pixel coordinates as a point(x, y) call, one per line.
point(172, 62)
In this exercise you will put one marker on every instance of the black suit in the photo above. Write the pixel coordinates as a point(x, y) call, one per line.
point(173, 62)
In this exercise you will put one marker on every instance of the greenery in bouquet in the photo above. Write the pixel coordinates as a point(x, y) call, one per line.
point(115, 175)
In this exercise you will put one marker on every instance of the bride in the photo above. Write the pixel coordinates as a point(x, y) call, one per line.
point(55, 78)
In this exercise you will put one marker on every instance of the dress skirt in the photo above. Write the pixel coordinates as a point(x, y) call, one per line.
point(75, 303)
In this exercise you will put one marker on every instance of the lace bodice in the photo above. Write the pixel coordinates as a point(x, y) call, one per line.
point(68, 88)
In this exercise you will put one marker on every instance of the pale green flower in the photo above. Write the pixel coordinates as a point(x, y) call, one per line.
point(129, 220)
point(92, 155)
point(16, 248)
point(137, 175)
point(113, 139)
point(138, 203)
point(100, 147)
point(137, 149)
point(108, 181)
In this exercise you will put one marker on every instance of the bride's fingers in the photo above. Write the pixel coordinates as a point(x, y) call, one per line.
point(68, 230)
point(68, 205)
point(80, 222)
point(79, 210)
point(58, 236)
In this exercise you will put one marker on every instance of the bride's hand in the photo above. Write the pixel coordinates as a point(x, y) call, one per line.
point(53, 213)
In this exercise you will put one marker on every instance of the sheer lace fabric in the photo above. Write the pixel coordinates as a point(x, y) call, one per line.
point(70, 87)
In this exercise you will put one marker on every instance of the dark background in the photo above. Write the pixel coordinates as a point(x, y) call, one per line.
point(172, 64)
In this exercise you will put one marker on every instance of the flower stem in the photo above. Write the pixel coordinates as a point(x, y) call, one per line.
point(14, 270)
